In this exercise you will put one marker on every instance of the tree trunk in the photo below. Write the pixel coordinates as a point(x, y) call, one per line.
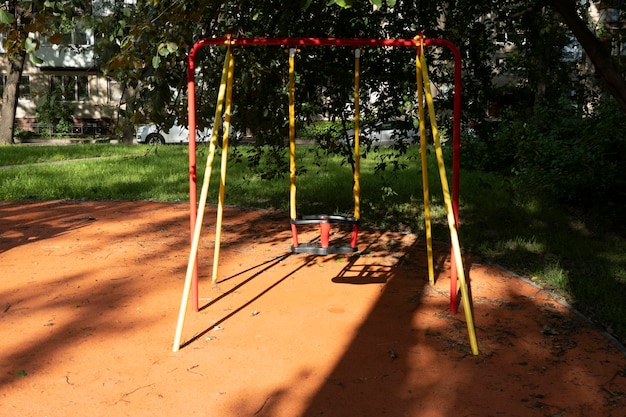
point(126, 128)
point(595, 49)
point(10, 96)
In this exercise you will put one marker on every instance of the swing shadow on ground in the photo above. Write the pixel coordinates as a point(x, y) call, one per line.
point(373, 367)
point(350, 273)
point(264, 267)
point(410, 356)
point(370, 377)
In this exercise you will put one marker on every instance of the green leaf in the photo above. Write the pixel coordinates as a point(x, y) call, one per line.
point(391, 3)
point(172, 47)
point(377, 3)
point(34, 58)
point(6, 17)
point(165, 49)
point(30, 44)
point(341, 3)
point(162, 50)
point(156, 61)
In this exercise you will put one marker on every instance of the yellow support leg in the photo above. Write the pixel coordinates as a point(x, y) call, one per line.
point(456, 247)
point(356, 190)
point(202, 204)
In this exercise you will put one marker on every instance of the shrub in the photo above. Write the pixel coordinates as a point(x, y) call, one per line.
point(52, 109)
point(488, 146)
point(63, 127)
point(22, 134)
point(559, 151)
point(572, 156)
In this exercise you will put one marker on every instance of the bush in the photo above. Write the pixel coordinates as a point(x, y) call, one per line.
point(572, 156)
point(63, 127)
point(559, 151)
point(51, 109)
point(487, 146)
point(21, 134)
point(328, 134)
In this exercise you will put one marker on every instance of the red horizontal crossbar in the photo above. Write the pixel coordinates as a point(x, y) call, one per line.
point(353, 42)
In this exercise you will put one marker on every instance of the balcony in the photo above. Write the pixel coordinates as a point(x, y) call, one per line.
point(72, 57)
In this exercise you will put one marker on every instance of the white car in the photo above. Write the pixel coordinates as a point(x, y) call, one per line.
point(388, 133)
point(151, 134)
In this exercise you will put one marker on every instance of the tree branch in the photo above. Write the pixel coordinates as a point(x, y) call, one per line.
point(595, 49)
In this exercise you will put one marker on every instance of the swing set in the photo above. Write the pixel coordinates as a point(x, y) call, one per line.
point(323, 245)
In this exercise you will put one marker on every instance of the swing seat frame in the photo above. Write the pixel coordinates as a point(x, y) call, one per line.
point(323, 247)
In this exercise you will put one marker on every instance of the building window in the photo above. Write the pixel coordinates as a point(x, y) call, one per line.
point(617, 43)
point(114, 91)
point(105, 7)
point(77, 38)
point(24, 90)
point(70, 87)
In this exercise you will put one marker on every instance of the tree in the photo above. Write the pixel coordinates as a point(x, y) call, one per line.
point(145, 49)
point(16, 22)
point(22, 23)
point(595, 49)
point(151, 45)
point(597, 52)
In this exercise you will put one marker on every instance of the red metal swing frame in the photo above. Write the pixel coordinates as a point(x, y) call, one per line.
point(347, 42)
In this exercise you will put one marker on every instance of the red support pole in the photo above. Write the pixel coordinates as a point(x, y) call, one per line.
point(324, 233)
point(355, 234)
point(294, 235)
point(193, 210)
point(456, 168)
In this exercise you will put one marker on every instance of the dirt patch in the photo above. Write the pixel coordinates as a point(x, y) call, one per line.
point(90, 292)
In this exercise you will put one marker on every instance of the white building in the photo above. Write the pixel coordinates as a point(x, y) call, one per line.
point(71, 69)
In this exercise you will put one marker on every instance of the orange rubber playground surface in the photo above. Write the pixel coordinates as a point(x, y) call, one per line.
point(90, 293)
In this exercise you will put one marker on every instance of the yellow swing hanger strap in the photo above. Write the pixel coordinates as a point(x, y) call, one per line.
point(292, 134)
point(356, 191)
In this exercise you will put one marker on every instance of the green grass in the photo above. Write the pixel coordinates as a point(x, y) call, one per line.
point(18, 155)
point(582, 259)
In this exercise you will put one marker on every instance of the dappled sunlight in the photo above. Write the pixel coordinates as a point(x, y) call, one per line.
point(529, 245)
point(89, 312)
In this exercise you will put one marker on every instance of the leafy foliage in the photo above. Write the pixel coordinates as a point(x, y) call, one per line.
point(52, 109)
point(145, 48)
point(560, 151)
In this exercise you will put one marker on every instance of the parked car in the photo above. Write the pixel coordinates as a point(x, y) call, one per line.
point(151, 134)
point(388, 133)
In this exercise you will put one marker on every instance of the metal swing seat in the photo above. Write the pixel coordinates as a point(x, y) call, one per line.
point(323, 246)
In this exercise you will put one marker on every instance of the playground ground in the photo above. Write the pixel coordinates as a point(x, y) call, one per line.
point(90, 295)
